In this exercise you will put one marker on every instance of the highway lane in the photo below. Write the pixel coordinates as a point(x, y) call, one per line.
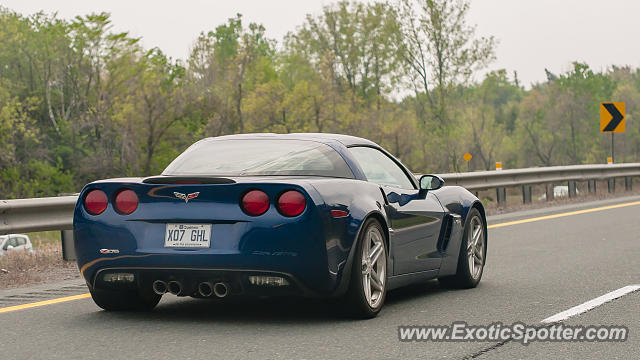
point(534, 270)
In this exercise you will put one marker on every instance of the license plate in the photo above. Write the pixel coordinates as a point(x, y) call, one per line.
point(187, 235)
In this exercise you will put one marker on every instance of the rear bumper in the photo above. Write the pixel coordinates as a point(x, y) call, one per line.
point(237, 280)
point(313, 259)
point(307, 276)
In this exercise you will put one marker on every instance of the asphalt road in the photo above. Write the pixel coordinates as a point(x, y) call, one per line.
point(534, 270)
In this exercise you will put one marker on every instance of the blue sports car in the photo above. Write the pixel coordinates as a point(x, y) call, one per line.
point(317, 215)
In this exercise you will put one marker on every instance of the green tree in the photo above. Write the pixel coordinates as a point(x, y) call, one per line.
point(489, 118)
point(224, 66)
point(440, 52)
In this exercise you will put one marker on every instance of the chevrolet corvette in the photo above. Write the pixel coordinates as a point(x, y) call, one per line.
point(313, 215)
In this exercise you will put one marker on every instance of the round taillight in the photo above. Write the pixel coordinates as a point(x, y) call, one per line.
point(255, 202)
point(96, 202)
point(291, 203)
point(126, 202)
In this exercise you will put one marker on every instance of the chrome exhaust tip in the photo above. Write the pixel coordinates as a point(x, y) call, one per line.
point(220, 289)
point(174, 287)
point(205, 289)
point(159, 287)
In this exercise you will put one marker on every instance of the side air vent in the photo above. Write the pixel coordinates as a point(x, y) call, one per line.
point(445, 234)
point(187, 180)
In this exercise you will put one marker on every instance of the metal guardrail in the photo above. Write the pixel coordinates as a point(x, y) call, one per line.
point(482, 180)
point(39, 214)
point(56, 213)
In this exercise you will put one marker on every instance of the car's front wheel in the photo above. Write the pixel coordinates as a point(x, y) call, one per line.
point(367, 289)
point(133, 300)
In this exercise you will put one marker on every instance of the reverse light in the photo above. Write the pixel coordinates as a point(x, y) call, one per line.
point(268, 281)
point(255, 202)
point(126, 202)
point(95, 202)
point(291, 203)
point(118, 277)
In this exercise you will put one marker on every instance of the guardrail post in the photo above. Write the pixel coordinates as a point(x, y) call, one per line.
point(592, 186)
point(501, 194)
point(628, 183)
point(572, 189)
point(68, 251)
point(549, 191)
point(526, 194)
point(612, 185)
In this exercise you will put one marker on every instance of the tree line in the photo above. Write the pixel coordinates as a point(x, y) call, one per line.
point(80, 102)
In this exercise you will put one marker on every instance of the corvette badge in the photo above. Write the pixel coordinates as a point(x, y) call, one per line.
point(186, 197)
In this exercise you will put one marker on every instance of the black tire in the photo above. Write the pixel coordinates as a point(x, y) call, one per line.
point(356, 302)
point(133, 300)
point(463, 279)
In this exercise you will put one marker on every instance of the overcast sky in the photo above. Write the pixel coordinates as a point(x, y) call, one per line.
point(532, 34)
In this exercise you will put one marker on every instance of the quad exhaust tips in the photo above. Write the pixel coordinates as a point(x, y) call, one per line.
point(174, 287)
point(159, 287)
point(219, 289)
point(205, 289)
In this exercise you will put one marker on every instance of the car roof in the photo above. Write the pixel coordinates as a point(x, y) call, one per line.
point(346, 140)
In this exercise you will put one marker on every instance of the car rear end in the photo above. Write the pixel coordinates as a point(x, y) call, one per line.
point(204, 237)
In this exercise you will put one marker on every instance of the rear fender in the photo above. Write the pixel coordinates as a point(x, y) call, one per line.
point(363, 200)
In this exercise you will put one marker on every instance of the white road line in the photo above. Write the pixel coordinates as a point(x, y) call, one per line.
point(584, 307)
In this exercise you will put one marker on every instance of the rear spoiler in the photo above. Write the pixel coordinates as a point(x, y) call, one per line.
point(166, 179)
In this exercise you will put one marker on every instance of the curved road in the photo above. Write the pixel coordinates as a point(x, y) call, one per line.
point(539, 263)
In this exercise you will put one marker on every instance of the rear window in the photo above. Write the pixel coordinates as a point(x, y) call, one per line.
point(259, 157)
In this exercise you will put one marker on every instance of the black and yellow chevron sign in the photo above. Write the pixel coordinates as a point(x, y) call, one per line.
point(612, 117)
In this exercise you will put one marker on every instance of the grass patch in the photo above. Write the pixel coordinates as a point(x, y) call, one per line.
point(45, 237)
point(20, 268)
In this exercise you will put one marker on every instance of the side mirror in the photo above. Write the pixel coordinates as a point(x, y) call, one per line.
point(430, 182)
point(10, 247)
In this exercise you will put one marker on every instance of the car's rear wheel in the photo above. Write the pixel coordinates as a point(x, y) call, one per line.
point(367, 289)
point(133, 300)
point(473, 251)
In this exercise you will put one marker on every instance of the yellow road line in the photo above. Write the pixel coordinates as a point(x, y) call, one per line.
point(570, 213)
point(43, 303)
point(516, 222)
